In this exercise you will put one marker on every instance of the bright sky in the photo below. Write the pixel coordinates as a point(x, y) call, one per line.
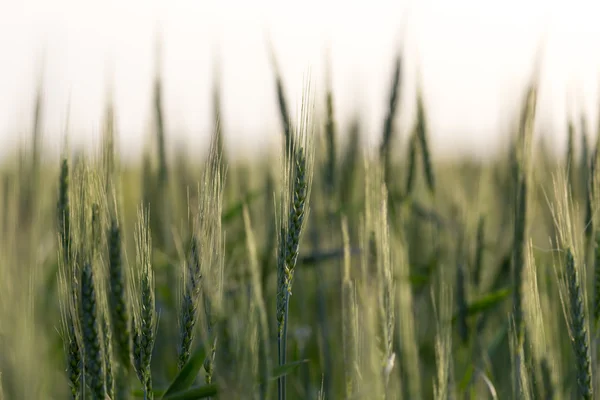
point(474, 58)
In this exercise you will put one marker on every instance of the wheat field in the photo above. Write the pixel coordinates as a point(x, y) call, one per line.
point(323, 271)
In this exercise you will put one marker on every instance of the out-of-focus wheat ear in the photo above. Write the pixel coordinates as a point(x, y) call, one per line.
point(479, 251)
point(586, 175)
point(392, 109)
point(387, 279)
point(96, 230)
point(108, 147)
point(270, 229)
point(283, 104)
point(211, 250)
point(442, 308)
point(580, 338)
point(570, 158)
point(421, 131)
point(331, 140)
point(118, 297)
point(257, 295)
point(521, 175)
point(349, 319)
point(92, 340)
point(63, 211)
point(406, 325)
point(584, 165)
point(589, 224)
point(161, 206)
point(518, 258)
point(213, 314)
point(596, 151)
point(373, 254)
point(218, 138)
point(37, 130)
point(594, 241)
point(160, 130)
point(547, 383)
point(148, 184)
point(596, 304)
point(145, 319)
point(412, 161)
point(541, 354)
point(520, 378)
point(32, 184)
point(593, 176)
point(349, 166)
point(461, 296)
point(6, 196)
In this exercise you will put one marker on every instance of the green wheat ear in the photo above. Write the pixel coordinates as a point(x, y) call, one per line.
point(145, 320)
point(288, 255)
point(189, 307)
point(70, 326)
point(118, 297)
point(74, 362)
point(68, 282)
point(298, 180)
point(580, 337)
point(93, 354)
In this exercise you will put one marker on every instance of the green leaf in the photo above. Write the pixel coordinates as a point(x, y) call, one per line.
point(185, 378)
point(197, 392)
point(315, 258)
point(180, 387)
point(418, 279)
point(139, 393)
point(467, 379)
point(285, 369)
point(486, 302)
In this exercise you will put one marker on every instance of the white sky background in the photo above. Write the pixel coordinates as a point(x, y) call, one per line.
point(474, 58)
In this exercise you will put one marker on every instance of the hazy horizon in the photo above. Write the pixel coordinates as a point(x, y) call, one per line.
point(473, 60)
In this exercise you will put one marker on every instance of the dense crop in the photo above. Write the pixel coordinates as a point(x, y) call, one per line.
point(330, 272)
